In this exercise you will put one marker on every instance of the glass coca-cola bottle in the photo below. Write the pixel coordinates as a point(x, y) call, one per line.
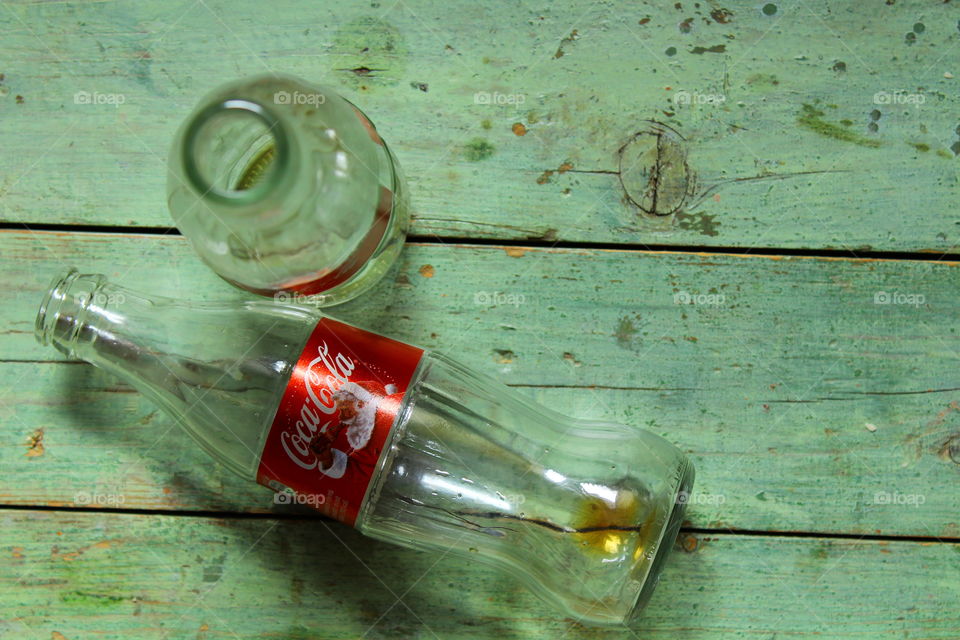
point(405, 445)
point(286, 189)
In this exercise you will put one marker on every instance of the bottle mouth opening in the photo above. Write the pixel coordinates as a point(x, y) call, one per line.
point(235, 152)
point(50, 307)
point(62, 311)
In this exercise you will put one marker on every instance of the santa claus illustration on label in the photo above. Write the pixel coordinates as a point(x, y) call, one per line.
point(343, 444)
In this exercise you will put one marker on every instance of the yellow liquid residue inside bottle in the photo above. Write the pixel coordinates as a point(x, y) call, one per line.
point(256, 169)
point(611, 528)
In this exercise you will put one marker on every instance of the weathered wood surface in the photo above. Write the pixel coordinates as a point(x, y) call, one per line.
point(777, 108)
point(72, 575)
point(817, 397)
point(772, 385)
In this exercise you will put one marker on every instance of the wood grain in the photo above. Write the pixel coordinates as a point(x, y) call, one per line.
point(121, 576)
point(772, 383)
point(775, 112)
point(818, 397)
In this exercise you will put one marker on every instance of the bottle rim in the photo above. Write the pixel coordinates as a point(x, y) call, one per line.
point(59, 284)
point(64, 307)
point(261, 189)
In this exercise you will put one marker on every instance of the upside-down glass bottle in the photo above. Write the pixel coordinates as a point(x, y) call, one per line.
point(285, 188)
point(406, 445)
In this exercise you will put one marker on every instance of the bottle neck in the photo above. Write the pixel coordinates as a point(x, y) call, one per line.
point(218, 369)
point(73, 306)
point(87, 318)
point(237, 158)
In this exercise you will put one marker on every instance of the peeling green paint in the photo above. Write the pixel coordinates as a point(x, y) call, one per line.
point(812, 118)
point(93, 599)
point(478, 149)
point(717, 48)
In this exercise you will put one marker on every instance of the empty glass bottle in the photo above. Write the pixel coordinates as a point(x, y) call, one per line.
point(284, 187)
point(406, 445)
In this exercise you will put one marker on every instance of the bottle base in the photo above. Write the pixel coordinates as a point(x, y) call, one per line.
point(362, 270)
point(667, 540)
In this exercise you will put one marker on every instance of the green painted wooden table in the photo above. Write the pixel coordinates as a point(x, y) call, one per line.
point(732, 225)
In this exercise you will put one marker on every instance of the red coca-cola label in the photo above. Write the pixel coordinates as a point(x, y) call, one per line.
point(335, 417)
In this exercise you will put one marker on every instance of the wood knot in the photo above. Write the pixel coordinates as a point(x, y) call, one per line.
point(950, 451)
point(654, 172)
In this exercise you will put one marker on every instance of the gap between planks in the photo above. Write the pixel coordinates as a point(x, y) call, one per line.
point(774, 253)
point(309, 517)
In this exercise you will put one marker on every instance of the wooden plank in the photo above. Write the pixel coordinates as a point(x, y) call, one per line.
point(773, 388)
point(104, 446)
point(121, 576)
point(777, 112)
